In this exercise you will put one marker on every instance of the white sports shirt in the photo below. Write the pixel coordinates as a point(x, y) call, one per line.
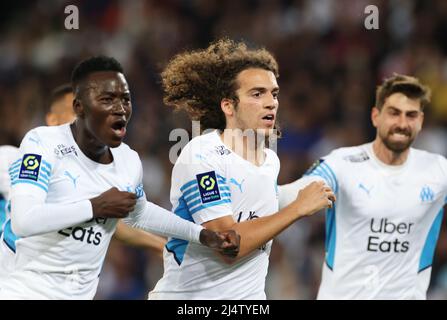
point(209, 181)
point(61, 247)
point(8, 154)
point(382, 232)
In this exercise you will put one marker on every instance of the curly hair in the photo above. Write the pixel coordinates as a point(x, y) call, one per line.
point(197, 81)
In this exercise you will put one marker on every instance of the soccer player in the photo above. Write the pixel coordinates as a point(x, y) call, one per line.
point(232, 89)
point(382, 233)
point(70, 186)
point(61, 111)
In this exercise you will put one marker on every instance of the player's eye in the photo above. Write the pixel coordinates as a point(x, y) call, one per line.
point(106, 100)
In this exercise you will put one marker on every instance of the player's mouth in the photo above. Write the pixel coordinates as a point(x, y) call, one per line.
point(400, 135)
point(119, 128)
point(269, 120)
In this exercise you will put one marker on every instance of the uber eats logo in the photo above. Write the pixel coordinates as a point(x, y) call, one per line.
point(84, 234)
point(387, 236)
point(208, 187)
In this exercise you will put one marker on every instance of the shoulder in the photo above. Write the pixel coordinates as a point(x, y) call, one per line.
point(207, 148)
point(45, 136)
point(356, 154)
point(428, 160)
point(125, 152)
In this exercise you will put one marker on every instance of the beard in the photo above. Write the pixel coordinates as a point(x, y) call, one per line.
point(397, 146)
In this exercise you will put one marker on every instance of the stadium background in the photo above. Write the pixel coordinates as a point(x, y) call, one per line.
point(329, 65)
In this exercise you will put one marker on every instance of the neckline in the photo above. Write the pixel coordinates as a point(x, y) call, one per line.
point(82, 155)
point(383, 165)
point(216, 133)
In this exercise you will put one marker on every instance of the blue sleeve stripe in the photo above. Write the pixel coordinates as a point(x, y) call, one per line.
point(187, 185)
point(191, 197)
point(224, 188)
point(327, 177)
point(15, 166)
point(192, 204)
point(211, 204)
point(332, 174)
point(44, 188)
point(12, 172)
point(43, 180)
point(190, 191)
point(220, 177)
point(322, 174)
point(225, 194)
point(45, 171)
point(17, 162)
point(47, 165)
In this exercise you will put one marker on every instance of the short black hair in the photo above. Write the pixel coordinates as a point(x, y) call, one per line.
point(91, 65)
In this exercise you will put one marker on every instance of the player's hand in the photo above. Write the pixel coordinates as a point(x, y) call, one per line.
point(113, 204)
point(226, 242)
point(313, 198)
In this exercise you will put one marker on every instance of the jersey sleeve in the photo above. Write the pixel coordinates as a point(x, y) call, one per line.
point(8, 154)
point(31, 173)
point(201, 190)
point(443, 165)
point(325, 168)
point(153, 218)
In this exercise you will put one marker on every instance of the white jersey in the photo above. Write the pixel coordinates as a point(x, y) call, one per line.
point(8, 154)
point(64, 264)
point(209, 181)
point(382, 232)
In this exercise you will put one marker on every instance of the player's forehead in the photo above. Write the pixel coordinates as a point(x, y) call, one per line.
point(106, 82)
point(401, 102)
point(257, 78)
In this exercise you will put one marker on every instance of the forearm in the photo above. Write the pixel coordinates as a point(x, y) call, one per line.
point(163, 222)
point(139, 238)
point(255, 233)
point(30, 219)
point(288, 192)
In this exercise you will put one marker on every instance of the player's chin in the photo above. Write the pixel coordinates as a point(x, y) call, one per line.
point(399, 145)
point(115, 142)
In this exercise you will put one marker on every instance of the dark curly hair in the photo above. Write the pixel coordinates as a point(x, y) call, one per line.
point(197, 81)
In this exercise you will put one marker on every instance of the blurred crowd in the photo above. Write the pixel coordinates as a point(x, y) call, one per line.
point(329, 63)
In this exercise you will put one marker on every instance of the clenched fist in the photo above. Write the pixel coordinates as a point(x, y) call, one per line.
point(313, 198)
point(113, 204)
point(226, 242)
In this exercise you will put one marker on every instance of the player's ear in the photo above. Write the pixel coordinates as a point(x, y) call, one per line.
point(227, 106)
point(374, 116)
point(78, 108)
